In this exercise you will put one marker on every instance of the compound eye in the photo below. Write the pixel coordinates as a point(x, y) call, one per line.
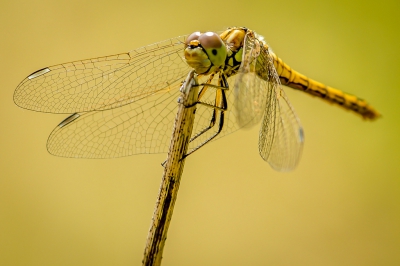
point(192, 37)
point(210, 40)
point(214, 47)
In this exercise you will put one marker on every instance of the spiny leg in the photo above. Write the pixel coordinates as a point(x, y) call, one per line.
point(212, 123)
point(221, 104)
point(220, 126)
point(220, 100)
point(216, 106)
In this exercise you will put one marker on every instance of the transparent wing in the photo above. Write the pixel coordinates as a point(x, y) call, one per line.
point(104, 82)
point(281, 135)
point(248, 89)
point(144, 126)
point(123, 104)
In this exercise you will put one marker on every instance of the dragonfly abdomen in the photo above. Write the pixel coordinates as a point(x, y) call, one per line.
point(295, 80)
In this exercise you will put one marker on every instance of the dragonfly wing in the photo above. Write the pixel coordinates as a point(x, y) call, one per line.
point(144, 126)
point(248, 89)
point(249, 104)
point(104, 82)
point(281, 135)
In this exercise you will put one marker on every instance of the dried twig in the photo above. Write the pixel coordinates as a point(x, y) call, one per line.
point(172, 172)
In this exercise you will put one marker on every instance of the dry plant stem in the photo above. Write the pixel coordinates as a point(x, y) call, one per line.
point(172, 173)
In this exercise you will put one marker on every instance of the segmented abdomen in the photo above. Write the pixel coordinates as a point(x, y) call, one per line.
point(295, 80)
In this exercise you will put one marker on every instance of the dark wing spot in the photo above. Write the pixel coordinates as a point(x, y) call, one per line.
point(214, 51)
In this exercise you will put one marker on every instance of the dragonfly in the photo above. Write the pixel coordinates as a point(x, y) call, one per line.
point(124, 104)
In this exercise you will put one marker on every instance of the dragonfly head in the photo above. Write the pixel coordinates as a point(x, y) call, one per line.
point(205, 52)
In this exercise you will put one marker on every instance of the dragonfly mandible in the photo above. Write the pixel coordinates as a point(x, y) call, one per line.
point(125, 104)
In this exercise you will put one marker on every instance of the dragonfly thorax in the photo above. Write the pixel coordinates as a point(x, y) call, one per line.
point(233, 39)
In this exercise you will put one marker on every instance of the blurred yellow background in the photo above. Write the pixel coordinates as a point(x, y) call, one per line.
point(339, 207)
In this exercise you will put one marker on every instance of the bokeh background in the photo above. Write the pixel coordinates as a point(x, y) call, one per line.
point(339, 207)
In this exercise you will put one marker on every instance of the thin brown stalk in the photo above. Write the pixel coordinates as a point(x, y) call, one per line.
point(173, 169)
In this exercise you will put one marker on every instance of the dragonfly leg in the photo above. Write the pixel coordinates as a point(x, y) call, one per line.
point(212, 123)
point(221, 105)
point(220, 126)
point(213, 120)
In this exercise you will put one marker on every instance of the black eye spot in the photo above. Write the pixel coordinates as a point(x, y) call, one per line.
point(214, 51)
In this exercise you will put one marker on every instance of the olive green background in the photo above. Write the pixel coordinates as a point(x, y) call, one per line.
point(339, 207)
